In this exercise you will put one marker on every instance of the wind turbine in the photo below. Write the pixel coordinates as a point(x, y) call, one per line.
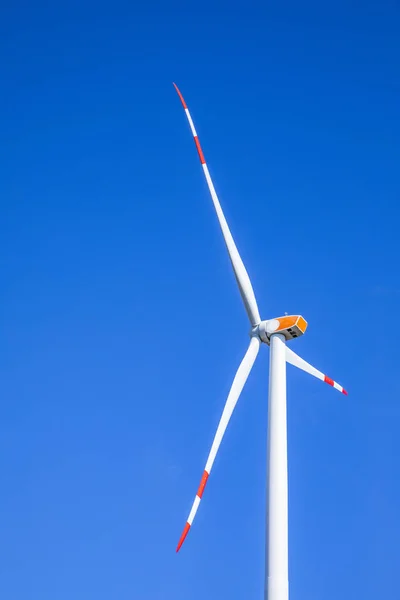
point(275, 333)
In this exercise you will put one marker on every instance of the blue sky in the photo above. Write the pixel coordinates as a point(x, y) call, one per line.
point(121, 325)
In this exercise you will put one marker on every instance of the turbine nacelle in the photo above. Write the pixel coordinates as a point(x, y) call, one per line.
point(290, 326)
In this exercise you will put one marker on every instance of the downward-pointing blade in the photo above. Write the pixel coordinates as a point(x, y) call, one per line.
point(300, 363)
point(233, 396)
point(242, 277)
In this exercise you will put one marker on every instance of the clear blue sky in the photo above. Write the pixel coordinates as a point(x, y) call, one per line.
point(121, 327)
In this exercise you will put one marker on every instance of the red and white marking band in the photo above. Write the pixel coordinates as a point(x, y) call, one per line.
point(192, 127)
point(195, 506)
point(338, 387)
point(300, 363)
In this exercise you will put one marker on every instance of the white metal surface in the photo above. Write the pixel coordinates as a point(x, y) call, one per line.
point(233, 396)
point(241, 275)
point(295, 360)
point(276, 581)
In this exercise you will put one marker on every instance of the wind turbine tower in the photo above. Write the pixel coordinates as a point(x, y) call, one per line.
point(274, 333)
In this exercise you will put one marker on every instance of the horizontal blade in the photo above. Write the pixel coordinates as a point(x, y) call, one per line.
point(242, 278)
point(233, 396)
point(298, 362)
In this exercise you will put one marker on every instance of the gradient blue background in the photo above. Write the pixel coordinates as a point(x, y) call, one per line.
point(121, 328)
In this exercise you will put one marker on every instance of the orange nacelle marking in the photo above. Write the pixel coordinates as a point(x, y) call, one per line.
point(292, 321)
point(286, 322)
point(302, 324)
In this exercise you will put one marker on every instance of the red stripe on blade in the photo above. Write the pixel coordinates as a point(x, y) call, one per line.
point(328, 380)
point(183, 536)
point(199, 150)
point(345, 392)
point(202, 484)
point(180, 96)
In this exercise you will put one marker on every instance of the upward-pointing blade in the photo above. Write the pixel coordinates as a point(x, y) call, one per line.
point(242, 278)
point(233, 396)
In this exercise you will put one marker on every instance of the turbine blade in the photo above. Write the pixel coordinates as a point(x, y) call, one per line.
point(298, 362)
point(241, 275)
point(233, 396)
